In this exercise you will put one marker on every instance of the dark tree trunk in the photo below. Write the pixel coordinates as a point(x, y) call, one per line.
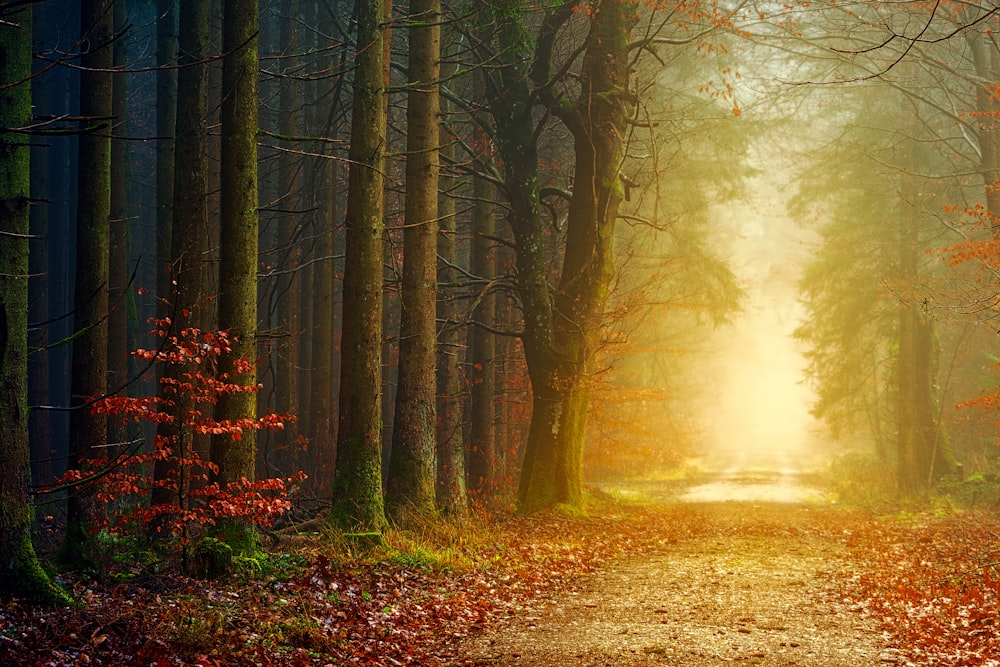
point(90, 296)
point(20, 573)
point(238, 256)
point(357, 485)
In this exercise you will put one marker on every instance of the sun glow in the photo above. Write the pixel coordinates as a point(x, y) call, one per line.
point(756, 404)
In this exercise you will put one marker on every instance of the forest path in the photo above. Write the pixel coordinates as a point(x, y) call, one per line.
point(753, 583)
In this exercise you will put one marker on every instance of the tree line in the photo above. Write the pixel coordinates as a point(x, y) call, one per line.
point(406, 221)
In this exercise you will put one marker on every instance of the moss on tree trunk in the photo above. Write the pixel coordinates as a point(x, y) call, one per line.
point(20, 573)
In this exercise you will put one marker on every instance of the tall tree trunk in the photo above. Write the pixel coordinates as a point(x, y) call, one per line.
point(412, 465)
point(451, 493)
point(289, 237)
point(357, 486)
point(90, 296)
point(189, 229)
point(40, 432)
point(20, 573)
point(481, 458)
point(118, 240)
point(238, 256)
point(166, 109)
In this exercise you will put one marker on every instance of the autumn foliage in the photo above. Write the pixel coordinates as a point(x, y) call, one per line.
point(124, 478)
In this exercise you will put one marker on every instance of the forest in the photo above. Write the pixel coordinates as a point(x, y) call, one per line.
point(380, 332)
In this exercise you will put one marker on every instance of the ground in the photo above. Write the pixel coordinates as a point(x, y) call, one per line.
point(731, 569)
point(749, 583)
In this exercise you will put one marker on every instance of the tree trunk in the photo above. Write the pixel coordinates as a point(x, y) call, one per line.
point(118, 233)
point(166, 109)
point(410, 491)
point(451, 494)
point(482, 348)
point(40, 431)
point(288, 285)
point(238, 255)
point(357, 485)
point(597, 121)
point(189, 229)
point(20, 573)
point(90, 297)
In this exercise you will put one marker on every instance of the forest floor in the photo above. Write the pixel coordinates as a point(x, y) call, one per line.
point(737, 583)
point(727, 571)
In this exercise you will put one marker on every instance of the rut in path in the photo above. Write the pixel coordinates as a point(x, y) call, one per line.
point(752, 584)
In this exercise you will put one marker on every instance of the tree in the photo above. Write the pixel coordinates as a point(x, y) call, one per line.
point(20, 573)
point(412, 463)
point(561, 336)
point(481, 456)
point(118, 230)
point(90, 297)
point(451, 494)
point(357, 485)
point(189, 225)
point(235, 456)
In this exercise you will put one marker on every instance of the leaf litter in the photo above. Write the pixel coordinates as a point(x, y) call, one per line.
point(689, 584)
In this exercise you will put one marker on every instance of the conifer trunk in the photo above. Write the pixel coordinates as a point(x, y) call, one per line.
point(189, 227)
point(90, 295)
point(238, 252)
point(357, 485)
point(451, 492)
point(20, 573)
point(412, 465)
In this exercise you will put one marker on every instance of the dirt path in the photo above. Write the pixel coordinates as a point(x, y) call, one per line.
point(743, 583)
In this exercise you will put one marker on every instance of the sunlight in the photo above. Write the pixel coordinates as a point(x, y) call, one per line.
point(758, 408)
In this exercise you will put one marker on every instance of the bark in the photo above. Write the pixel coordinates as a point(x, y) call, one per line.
point(166, 108)
point(40, 431)
point(189, 228)
point(288, 323)
point(451, 493)
point(411, 480)
point(238, 256)
point(20, 573)
point(118, 240)
point(923, 449)
point(90, 295)
point(552, 472)
point(357, 485)
point(482, 349)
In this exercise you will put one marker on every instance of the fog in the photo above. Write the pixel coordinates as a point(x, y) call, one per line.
point(757, 405)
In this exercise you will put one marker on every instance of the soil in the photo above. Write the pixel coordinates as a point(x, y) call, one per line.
point(746, 583)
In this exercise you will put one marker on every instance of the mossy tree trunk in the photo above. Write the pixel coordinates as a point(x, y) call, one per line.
point(238, 253)
point(598, 122)
point(357, 486)
point(552, 469)
point(20, 573)
point(90, 295)
point(412, 465)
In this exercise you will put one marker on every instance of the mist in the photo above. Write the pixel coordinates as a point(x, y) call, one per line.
point(757, 411)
